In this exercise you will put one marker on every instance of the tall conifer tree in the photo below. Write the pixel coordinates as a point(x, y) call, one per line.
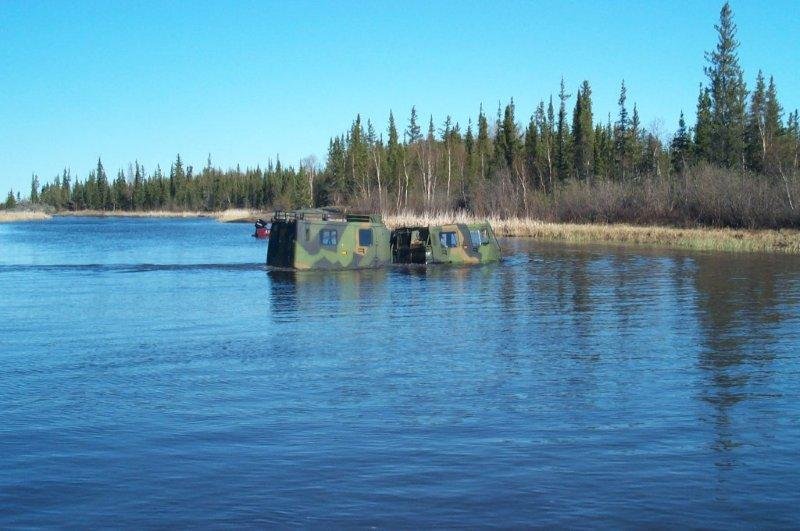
point(679, 149)
point(563, 155)
point(583, 132)
point(754, 132)
point(483, 144)
point(702, 129)
point(622, 147)
point(728, 92)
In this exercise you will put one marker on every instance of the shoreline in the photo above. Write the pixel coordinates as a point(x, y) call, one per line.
point(133, 214)
point(785, 241)
point(23, 215)
point(224, 216)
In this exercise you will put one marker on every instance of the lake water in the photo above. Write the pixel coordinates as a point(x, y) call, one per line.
point(152, 372)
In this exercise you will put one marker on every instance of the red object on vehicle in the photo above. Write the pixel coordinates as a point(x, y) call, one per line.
point(262, 233)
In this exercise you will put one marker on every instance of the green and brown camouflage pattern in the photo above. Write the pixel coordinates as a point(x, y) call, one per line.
point(458, 244)
point(312, 239)
point(476, 244)
point(303, 240)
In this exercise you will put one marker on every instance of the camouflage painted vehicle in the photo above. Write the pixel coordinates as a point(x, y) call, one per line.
point(327, 239)
point(458, 243)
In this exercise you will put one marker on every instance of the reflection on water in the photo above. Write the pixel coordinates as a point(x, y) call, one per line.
point(742, 313)
point(169, 378)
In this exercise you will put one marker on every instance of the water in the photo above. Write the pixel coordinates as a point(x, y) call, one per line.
point(153, 373)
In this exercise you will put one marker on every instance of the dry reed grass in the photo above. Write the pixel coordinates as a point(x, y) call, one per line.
point(240, 215)
point(13, 216)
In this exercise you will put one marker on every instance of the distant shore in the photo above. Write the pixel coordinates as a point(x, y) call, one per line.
point(136, 214)
point(232, 215)
point(14, 216)
point(701, 238)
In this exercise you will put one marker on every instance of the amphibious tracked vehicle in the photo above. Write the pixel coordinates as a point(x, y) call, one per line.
point(318, 239)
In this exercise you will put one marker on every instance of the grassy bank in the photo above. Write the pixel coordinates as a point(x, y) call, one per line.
point(233, 215)
point(11, 216)
point(241, 215)
point(226, 216)
point(710, 239)
point(135, 213)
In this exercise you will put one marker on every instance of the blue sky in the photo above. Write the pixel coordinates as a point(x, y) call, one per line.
point(245, 81)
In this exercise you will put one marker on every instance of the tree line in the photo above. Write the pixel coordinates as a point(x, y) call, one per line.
point(182, 188)
point(493, 165)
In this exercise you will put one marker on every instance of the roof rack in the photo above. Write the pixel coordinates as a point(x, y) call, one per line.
point(324, 214)
point(359, 217)
point(315, 214)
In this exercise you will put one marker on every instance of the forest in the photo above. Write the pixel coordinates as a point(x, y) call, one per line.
point(737, 166)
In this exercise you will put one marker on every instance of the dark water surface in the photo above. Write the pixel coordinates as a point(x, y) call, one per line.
point(152, 372)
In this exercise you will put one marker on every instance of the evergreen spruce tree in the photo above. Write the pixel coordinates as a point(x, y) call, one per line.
point(531, 149)
point(413, 132)
point(728, 93)
point(468, 179)
point(66, 183)
point(35, 188)
point(600, 167)
point(544, 141)
point(483, 144)
point(91, 196)
point(563, 155)
point(773, 128)
point(138, 187)
point(583, 132)
point(300, 189)
point(793, 140)
point(703, 127)
point(103, 192)
point(11, 202)
point(507, 138)
point(357, 158)
point(622, 148)
point(680, 148)
point(336, 169)
point(755, 144)
point(119, 192)
point(469, 143)
point(550, 126)
point(393, 156)
point(177, 183)
point(635, 141)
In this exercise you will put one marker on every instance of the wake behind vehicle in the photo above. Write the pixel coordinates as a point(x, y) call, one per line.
point(320, 239)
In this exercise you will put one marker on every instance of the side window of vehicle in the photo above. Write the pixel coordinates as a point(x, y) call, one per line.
point(475, 237)
point(364, 237)
point(328, 237)
point(448, 239)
